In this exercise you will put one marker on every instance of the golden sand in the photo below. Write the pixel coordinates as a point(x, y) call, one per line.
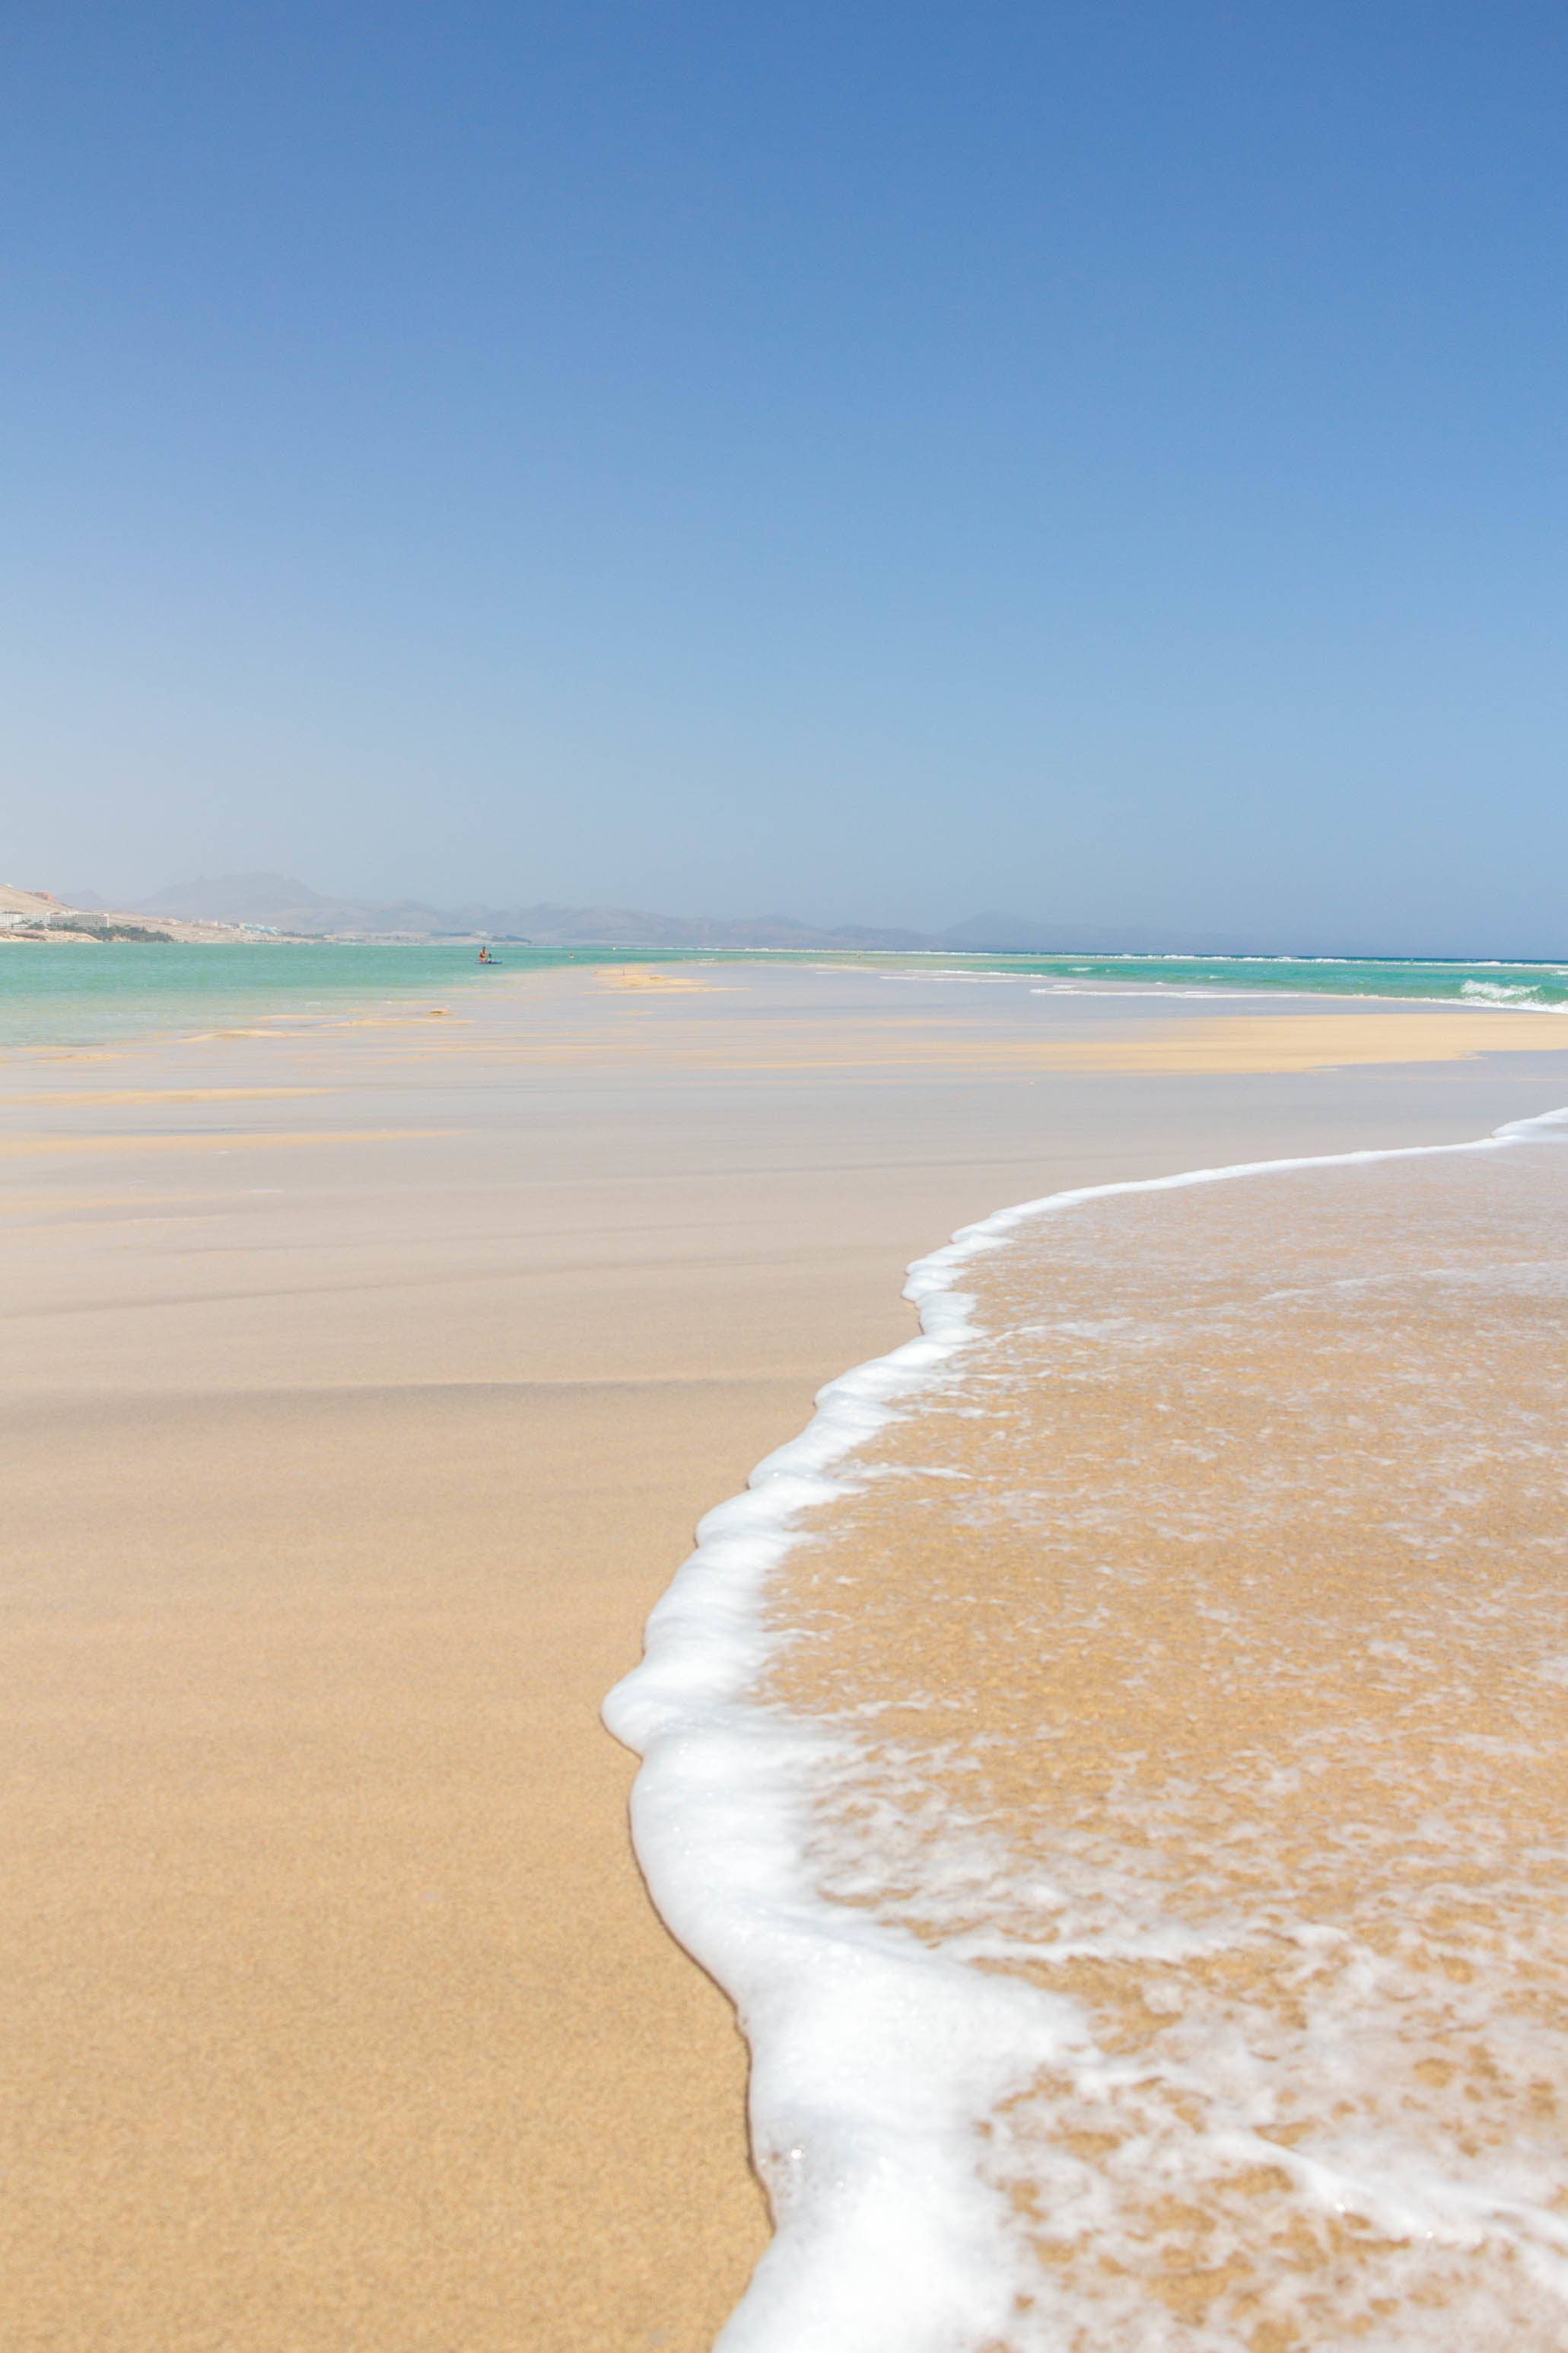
point(890, 1040)
point(34, 1147)
point(339, 1483)
point(93, 1098)
point(650, 977)
point(1314, 1041)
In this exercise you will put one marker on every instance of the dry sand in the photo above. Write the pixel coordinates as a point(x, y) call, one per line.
point(363, 1382)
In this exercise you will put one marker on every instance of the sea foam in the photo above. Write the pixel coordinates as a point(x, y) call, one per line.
point(942, 2126)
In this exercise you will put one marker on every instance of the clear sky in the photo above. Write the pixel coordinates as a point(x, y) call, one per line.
point(876, 461)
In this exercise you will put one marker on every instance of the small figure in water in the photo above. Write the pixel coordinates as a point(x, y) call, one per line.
point(484, 956)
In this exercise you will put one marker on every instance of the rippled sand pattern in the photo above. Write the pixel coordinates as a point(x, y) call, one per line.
point(1199, 1646)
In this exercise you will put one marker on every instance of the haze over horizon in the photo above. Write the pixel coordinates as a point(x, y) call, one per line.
point(1106, 465)
point(283, 901)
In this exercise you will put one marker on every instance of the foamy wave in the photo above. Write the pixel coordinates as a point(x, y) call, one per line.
point(1493, 992)
point(875, 2049)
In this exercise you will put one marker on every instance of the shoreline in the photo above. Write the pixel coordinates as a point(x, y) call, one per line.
point(121, 1003)
point(882, 2240)
point(375, 1451)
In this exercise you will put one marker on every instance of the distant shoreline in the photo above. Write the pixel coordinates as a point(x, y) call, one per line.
point(119, 933)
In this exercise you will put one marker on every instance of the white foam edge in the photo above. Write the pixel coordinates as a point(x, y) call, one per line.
point(872, 2053)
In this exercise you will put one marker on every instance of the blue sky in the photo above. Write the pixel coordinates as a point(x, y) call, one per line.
point(863, 461)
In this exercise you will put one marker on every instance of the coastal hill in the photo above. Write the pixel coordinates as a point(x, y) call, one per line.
point(279, 906)
point(43, 917)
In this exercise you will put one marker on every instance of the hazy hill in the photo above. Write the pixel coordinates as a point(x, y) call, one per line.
point(48, 917)
point(281, 903)
point(277, 901)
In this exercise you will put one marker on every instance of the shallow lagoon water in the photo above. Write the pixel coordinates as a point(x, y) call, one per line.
point(88, 993)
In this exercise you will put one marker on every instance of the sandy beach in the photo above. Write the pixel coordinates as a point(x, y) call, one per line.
point(363, 1380)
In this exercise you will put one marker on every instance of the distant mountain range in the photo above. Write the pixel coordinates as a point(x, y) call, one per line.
point(279, 902)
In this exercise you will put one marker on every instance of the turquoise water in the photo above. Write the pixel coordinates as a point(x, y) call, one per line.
point(1541, 985)
point(86, 995)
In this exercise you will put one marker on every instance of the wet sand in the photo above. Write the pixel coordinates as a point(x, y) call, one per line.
point(1192, 1650)
point(363, 1382)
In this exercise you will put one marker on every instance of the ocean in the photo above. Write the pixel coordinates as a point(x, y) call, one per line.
point(89, 993)
point(1408, 980)
point(1117, 1760)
